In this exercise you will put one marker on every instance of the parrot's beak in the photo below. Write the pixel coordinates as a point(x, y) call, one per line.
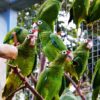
point(33, 38)
point(69, 59)
point(69, 56)
point(90, 45)
point(34, 28)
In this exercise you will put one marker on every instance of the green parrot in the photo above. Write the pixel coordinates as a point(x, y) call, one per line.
point(16, 35)
point(80, 11)
point(81, 55)
point(51, 44)
point(77, 67)
point(49, 11)
point(94, 12)
point(96, 81)
point(25, 60)
point(50, 79)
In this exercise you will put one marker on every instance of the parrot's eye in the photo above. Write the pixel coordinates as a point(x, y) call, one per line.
point(39, 22)
point(63, 52)
point(30, 31)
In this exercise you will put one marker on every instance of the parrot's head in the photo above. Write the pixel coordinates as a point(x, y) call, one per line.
point(33, 28)
point(89, 43)
point(68, 54)
point(41, 25)
point(18, 30)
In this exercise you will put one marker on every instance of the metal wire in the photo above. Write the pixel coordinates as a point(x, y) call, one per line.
point(93, 32)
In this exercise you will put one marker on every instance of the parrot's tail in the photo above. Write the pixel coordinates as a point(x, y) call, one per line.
point(7, 93)
point(95, 94)
point(7, 98)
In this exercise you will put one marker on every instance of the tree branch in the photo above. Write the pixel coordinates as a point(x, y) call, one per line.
point(25, 81)
point(74, 84)
point(34, 79)
point(12, 93)
point(42, 59)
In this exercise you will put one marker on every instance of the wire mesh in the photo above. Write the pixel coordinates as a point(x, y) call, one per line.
point(93, 32)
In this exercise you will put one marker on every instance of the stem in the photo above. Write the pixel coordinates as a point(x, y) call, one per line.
point(74, 84)
point(12, 93)
point(33, 79)
point(42, 58)
point(25, 81)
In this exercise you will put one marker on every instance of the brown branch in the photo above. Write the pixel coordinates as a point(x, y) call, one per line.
point(12, 93)
point(25, 81)
point(74, 84)
point(42, 58)
point(34, 80)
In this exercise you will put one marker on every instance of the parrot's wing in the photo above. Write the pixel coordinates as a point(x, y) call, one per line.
point(80, 11)
point(8, 37)
point(77, 61)
point(96, 80)
point(35, 62)
point(96, 70)
point(42, 80)
point(95, 94)
point(8, 68)
point(57, 42)
point(96, 84)
point(94, 11)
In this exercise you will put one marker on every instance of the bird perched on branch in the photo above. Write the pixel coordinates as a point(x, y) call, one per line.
point(80, 11)
point(25, 60)
point(50, 79)
point(81, 55)
point(51, 44)
point(94, 11)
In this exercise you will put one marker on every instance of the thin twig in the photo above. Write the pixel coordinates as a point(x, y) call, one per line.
point(42, 58)
point(34, 80)
point(12, 93)
point(25, 81)
point(74, 84)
